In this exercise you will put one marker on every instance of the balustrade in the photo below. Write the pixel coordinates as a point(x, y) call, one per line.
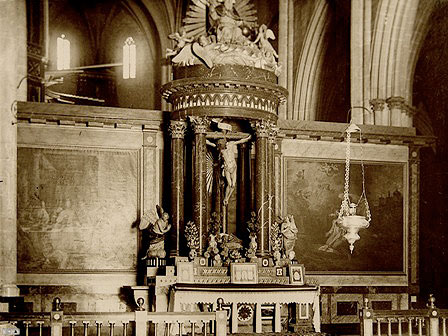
point(418, 322)
point(138, 323)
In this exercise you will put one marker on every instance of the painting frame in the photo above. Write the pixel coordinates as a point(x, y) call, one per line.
point(185, 272)
point(374, 154)
point(98, 268)
point(244, 273)
point(297, 274)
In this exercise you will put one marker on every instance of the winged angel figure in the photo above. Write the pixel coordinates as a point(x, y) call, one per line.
point(264, 34)
point(156, 222)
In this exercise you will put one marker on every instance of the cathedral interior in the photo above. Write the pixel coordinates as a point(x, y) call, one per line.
point(159, 155)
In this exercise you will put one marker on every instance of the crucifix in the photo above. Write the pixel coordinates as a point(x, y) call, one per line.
point(226, 149)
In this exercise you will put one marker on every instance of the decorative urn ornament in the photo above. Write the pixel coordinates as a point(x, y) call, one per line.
point(348, 219)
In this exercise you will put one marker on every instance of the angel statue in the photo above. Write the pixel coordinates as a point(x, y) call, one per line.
point(264, 34)
point(156, 222)
point(182, 40)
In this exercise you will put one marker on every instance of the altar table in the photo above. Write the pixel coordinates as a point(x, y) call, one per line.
point(260, 294)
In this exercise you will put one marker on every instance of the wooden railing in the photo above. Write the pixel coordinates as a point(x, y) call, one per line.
point(418, 322)
point(138, 323)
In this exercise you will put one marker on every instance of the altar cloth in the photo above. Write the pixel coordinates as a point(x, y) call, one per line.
point(260, 294)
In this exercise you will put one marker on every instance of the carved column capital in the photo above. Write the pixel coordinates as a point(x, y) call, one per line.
point(396, 102)
point(273, 134)
point(262, 128)
point(378, 104)
point(199, 124)
point(177, 129)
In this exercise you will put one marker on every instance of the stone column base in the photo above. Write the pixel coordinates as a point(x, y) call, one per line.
point(10, 299)
point(9, 290)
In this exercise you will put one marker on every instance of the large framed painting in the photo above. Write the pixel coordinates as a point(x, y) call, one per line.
point(76, 209)
point(313, 191)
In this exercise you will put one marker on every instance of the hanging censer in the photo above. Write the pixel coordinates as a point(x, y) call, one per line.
point(348, 219)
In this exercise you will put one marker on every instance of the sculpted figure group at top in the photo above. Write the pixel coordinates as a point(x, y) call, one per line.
point(227, 39)
point(225, 20)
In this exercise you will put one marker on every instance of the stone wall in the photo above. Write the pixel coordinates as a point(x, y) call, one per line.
point(85, 176)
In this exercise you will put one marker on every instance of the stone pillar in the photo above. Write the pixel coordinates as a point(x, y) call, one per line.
point(177, 130)
point(244, 188)
point(12, 73)
point(283, 50)
point(360, 33)
point(407, 116)
point(396, 107)
point(199, 126)
point(262, 129)
point(381, 112)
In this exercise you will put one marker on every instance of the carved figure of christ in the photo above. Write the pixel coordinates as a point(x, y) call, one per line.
point(227, 153)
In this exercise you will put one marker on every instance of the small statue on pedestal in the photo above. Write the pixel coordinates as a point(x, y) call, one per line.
point(157, 225)
point(252, 249)
point(252, 227)
point(213, 251)
point(289, 231)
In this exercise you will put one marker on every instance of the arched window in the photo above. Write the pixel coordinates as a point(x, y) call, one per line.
point(63, 53)
point(129, 58)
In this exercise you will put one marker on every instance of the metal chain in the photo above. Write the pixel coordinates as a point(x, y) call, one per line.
point(345, 206)
point(368, 215)
point(345, 202)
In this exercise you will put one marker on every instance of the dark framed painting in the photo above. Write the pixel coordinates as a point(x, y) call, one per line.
point(76, 210)
point(313, 192)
